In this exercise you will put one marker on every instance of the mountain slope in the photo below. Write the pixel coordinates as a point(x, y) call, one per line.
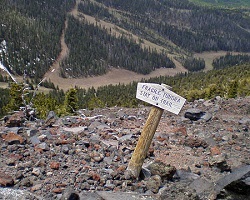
point(103, 34)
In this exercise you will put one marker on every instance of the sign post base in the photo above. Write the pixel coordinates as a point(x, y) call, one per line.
point(144, 142)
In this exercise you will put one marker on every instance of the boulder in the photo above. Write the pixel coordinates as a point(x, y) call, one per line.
point(236, 183)
point(163, 170)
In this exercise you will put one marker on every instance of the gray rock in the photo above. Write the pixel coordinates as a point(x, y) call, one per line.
point(31, 133)
point(51, 119)
point(235, 182)
point(153, 183)
point(193, 114)
point(206, 116)
point(90, 196)
point(178, 191)
point(186, 175)
point(125, 137)
point(109, 185)
point(76, 130)
point(163, 170)
point(70, 194)
point(132, 118)
point(34, 140)
point(106, 195)
point(220, 162)
point(36, 171)
point(8, 193)
point(145, 173)
point(102, 126)
point(43, 146)
point(65, 149)
point(202, 187)
point(244, 121)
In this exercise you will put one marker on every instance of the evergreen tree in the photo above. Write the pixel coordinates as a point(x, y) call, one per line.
point(232, 90)
point(71, 101)
point(16, 100)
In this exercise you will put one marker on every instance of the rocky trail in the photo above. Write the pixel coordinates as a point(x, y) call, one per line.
point(202, 153)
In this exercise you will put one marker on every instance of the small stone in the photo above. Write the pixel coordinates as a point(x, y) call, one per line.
point(19, 175)
point(36, 187)
point(42, 137)
point(58, 190)
point(11, 161)
point(96, 156)
point(193, 114)
point(49, 173)
point(195, 142)
point(215, 150)
point(41, 163)
point(36, 171)
point(6, 180)
point(31, 133)
point(16, 120)
point(34, 140)
point(70, 194)
point(43, 146)
point(109, 185)
point(13, 138)
point(26, 182)
point(237, 148)
point(96, 177)
point(163, 170)
point(54, 165)
point(154, 183)
point(65, 149)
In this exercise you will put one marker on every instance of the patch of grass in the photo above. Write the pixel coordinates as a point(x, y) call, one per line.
point(3, 85)
point(224, 3)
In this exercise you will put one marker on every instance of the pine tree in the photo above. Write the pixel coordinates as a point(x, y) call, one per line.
point(71, 101)
point(16, 100)
point(232, 90)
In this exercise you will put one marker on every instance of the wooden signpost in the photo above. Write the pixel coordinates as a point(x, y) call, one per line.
point(162, 99)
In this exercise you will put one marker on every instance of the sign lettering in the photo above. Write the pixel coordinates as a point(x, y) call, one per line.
point(160, 96)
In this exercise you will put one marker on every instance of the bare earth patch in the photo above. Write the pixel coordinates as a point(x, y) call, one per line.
point(114, 77)
point(210, 56)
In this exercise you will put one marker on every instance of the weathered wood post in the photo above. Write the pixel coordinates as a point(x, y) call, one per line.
point(162, 98)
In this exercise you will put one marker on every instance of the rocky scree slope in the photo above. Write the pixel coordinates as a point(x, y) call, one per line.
point(202, 153)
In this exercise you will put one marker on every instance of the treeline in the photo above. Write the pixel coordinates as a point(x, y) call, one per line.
point(230, 60)
point(93, 50)
point(188, 26)
point(30, 33)
point(229, 82)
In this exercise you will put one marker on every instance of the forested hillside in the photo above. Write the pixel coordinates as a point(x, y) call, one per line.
point(187, 26)
point(31, 30)
point(96, 50)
